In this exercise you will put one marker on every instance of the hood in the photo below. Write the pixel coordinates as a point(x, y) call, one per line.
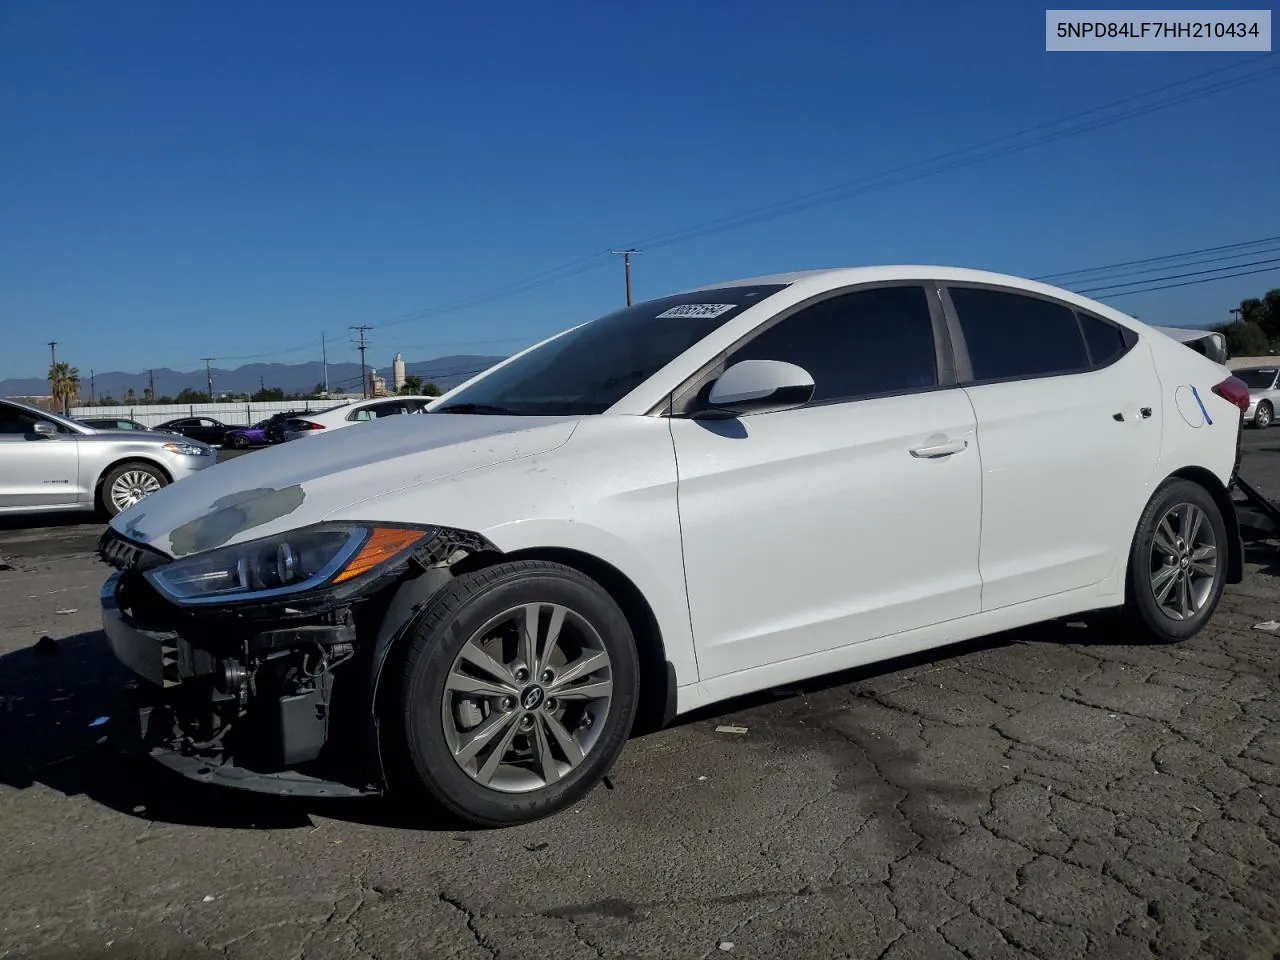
point(304, 481)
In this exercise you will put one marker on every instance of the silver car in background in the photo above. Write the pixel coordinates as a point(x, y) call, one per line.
point(1264, 396)
point(50, 462)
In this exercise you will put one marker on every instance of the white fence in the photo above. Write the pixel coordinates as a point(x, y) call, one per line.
point(235, 414)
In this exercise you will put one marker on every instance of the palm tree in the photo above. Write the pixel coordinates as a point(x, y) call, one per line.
point(64, 383)
point(412, 386)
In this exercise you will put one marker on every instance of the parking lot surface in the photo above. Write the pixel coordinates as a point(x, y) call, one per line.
point(1058, 792)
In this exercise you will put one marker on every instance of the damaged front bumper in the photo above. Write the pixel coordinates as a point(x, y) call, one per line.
point(251, 704)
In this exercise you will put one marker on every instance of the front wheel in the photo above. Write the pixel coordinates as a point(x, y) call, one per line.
point(1178, 562)
point(516, 693)
point(1263, 416)
point(128, 484)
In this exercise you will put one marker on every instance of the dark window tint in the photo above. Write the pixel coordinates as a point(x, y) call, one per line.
point(1010, 335)
point(15, 420)
point(1257, 379)
point(856, 345)
point(1105, 340)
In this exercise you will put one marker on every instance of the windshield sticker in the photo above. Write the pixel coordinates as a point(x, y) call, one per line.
point(699, 311)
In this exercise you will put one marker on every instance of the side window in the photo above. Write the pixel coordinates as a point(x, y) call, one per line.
point(1105, 340)
point(856, 345)
point(16, 421)
point(1010, 335)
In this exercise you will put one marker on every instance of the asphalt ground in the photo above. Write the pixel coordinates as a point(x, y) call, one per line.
point(1056, 792)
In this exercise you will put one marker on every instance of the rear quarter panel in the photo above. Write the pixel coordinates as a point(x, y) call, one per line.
point(1198, 427)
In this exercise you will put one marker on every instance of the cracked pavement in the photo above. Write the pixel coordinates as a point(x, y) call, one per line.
point(1056, 792)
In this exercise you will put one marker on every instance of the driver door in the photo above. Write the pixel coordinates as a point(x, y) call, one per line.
point(36, 470)
point(809, 529)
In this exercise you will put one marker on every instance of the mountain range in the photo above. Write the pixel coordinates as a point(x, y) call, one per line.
point(444, 372)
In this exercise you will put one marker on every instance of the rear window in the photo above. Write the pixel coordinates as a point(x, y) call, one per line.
point(1258, 379)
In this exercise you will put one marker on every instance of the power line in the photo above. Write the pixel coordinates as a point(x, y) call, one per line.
point(1172, 263)
point(872, 182)
point(897, 176)
point(1178, 276)
point(1169, 256)
point(1192, 283)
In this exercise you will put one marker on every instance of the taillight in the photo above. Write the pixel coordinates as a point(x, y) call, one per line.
point(1234, 390)
point(308, 425)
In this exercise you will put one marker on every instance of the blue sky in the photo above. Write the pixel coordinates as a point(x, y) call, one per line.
point(182, 180)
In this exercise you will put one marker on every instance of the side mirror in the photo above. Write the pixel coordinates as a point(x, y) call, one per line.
point(757, 386)
point(44, 429)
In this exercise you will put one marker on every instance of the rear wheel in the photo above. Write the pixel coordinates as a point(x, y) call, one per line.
point(128, 484)
point(517, 692)
point(1263, 416)
point(239, 441)
point(1178, 562)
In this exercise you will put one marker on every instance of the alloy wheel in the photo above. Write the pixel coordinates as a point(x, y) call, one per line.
point(131, 487)
point(1184, 562)
point(526, 697)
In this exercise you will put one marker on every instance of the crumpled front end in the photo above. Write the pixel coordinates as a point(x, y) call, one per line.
point(272, 696)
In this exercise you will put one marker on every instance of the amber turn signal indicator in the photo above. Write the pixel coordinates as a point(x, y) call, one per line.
point(383, 544)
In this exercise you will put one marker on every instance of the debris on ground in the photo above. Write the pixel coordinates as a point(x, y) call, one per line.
point(1270, 626)
point(730, 728)
point(67, 612)
point(725, 945)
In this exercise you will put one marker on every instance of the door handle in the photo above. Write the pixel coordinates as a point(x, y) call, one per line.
point(936, 450)
point(1146, 413)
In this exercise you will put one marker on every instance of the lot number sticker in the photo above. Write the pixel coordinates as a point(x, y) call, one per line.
point(696, 310)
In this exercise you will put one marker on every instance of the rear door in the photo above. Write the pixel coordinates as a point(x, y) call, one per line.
point(810, 529)
point(1068, 408)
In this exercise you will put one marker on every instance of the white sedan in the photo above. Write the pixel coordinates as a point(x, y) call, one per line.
point(347, 414)
point(690, 499)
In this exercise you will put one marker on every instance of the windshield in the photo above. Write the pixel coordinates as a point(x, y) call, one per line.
point(1257, 379)
point(589, 369)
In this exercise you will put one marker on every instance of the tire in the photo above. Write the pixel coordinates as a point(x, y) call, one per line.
point(143, 479)
point(1150, 569)
point(429, 722)
point(239, 442)
point(1263, 416)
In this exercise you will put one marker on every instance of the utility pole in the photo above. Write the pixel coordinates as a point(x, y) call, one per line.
point(208, 375)
point(626, 262)
point(92, 401)
point(151, 384)
point(364, 380)
point(1237, 313)
point(324, 359)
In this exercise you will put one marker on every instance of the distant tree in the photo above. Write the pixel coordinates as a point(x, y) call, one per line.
point(187, 395)
point(130, 396)
point(268, 393)
point(165, 399)
point(430, 390)
point(319, 391)
point(64, 385)
point(148, 395)
point(1245, 338)
point(106, 400)
point(412, 386)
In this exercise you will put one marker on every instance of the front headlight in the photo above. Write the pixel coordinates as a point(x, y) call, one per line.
point(287, 563)
point(189, 449)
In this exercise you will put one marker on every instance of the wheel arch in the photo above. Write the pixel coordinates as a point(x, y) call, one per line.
point(1205, 478)
point(410, 599)
point(120, 462)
